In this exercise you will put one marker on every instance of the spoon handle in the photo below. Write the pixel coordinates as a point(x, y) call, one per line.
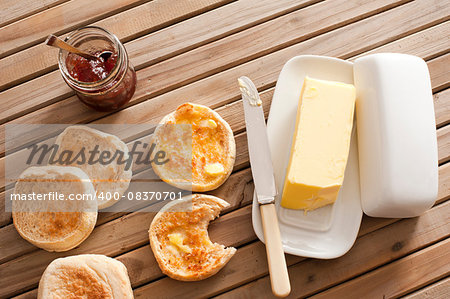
point(54, 41)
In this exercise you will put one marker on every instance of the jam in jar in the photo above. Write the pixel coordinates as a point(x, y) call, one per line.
point(104, 84)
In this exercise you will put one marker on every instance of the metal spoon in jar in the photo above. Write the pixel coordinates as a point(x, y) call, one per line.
point(54, 41)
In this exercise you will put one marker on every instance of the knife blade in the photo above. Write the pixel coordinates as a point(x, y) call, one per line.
point(258, 144)
point(262, 172)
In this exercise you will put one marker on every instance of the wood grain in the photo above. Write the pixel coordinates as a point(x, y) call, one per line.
point(228, 112)
point(12, 10)
point(400, 277)
point(441, 67)
point(427, 43)
point(372, 225)
point(442, 108)
point(438, 290)
point(114, 238)
point(13, 245)
point(194, 50)
point(142, 259)
point(57, 20)
point(369, 224)
point(290, 27)
point(443, 134)
point(263, 70)
point(149, 49)
point(311, 274)
point(230, 183)
point(232, 113)
point(236, 110)
point(249, 263)
point(374, 249)
point(444, 182)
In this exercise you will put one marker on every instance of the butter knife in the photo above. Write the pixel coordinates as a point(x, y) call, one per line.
point(262, 171)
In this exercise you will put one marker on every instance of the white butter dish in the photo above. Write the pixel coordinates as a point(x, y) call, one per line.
point(398, 160)
point(392, 170)
point(328, 232)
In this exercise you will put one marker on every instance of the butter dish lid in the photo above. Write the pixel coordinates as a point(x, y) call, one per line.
point(398, 158)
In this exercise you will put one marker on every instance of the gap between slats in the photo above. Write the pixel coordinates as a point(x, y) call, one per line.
point(13, 10)
point(145, 97)
point(265, 10)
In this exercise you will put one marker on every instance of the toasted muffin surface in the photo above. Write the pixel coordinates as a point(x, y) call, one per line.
point(54, 225)
point(79, 282)
point(211, 149)
point(109, 178)
point(85, 276)
point(179, 239)
point(47, 226)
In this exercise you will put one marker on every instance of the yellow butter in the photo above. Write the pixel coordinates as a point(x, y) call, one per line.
point(320, 146)
point(177, 239)
point(208, 123)
point(214, 169)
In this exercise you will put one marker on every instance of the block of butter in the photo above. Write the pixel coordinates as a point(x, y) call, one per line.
point(320, 146)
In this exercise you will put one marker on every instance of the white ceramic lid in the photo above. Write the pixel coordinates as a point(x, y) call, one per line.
point(397, 143)
point(328, 232)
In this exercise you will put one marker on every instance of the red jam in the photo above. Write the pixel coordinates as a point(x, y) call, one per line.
point(86, 70)
point(110, 95)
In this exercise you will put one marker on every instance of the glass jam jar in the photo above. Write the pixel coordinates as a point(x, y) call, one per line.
point(103, 84)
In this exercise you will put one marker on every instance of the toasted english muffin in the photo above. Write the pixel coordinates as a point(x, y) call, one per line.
point(54, 225)
point(85, 276)
point(180, 241)
point(210, 147)
point(109, 178)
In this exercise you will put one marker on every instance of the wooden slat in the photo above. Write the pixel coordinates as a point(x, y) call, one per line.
point(112, 239)
point(142, 259)
point(175, 68)
point(312, 274)
point(137, 258)
point(438, 290)
point(21, 155)
point(444, 182)
point(144, 51)
point(12, 10)
point(242, 181)
point(427, 43)
point(290, 27)
point(248, 264)
point(14, 245)
point(126, 25)
point(57, 20)
point(441, 67)
point(140, 274)
point(443, 134)
point(233, 115)
point(371, 250)
point(230, 112)
point(223, 83)
point(384, 222)
point(398, 278)
point(230, 185)
point(120, 236)
point(442, 107)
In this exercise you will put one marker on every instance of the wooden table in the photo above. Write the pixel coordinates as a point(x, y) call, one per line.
point(193, 50)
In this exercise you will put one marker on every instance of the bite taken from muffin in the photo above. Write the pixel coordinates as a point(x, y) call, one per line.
point(180, 242)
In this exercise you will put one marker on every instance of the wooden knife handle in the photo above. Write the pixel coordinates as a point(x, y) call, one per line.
point(279, 277)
